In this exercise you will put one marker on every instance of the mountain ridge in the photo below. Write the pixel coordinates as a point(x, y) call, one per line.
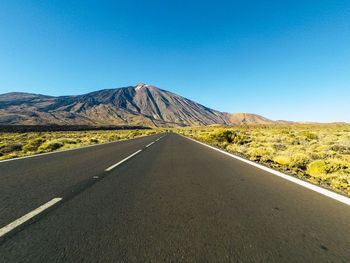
point(142, 104)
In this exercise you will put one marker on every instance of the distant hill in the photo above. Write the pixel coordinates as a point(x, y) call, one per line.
point(142, 105)
point(246, 118)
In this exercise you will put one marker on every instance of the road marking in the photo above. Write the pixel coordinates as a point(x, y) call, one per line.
point(148, 145)
point(310, 186)
point(25, 218)
point(125, 159)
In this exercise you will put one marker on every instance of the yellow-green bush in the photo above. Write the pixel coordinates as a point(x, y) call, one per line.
point(113, 137)
point(334, 165)
point(94, 140)
point(309, 135)
point(228, 136)
point(33, 145)
point(282, 159)
point(299, 160)
point(50, 146)
point(222, 135)
point(317, 168)
point(261, 154)
point(8, 148)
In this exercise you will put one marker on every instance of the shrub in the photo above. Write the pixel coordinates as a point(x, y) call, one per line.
point(33, 145)
point(229, 136)
point(255, 144)
point(309, 135)
point(8, 148)
point(233, 148)
point(330, 154)
point(314, 156)
point(94, 140)
point(283, 132)
point(222, 135)
point(50, 146)
point(317, 168)
point(261, 154)
point(282, 159)
point(335, 165)
point(2, 146)
point(241, 139)
point(279, 146)
point(135, 133)
point(340, 148)
point(318, 148)
point(150, 132)
point(299, 161)
point(113, 137)
point(296, 149)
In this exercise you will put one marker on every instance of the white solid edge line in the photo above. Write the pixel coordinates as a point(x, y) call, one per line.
point(28, 216)
point(118, 163)
point(87, 146)
point(148, 145)
point(310, 186)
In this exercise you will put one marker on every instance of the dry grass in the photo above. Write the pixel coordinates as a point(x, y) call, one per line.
point(317, 153)
point(14, 145)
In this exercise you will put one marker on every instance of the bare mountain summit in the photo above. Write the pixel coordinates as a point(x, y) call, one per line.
point(139, 105)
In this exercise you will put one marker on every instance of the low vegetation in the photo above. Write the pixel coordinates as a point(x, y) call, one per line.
point(13, 144)
point(316, 153)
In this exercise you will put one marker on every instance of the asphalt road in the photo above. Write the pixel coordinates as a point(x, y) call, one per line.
point(175, 201)
point(27, 183)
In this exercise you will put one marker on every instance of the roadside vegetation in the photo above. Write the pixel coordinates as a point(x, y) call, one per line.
point(14, 144)
point(319, 153)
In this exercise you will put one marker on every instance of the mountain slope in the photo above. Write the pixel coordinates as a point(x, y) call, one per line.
point(139, 105)
point(246, 118)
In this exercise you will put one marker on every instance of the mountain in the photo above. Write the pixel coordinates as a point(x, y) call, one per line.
point(246, 118)
point(134, 105)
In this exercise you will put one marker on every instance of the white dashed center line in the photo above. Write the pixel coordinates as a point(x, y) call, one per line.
point(25, 218)
point(148, 145)
point(120, 162)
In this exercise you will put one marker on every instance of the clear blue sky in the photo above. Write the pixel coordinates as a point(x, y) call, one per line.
point(281, 59)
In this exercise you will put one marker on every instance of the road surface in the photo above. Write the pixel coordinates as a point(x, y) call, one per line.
point(173, 201)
